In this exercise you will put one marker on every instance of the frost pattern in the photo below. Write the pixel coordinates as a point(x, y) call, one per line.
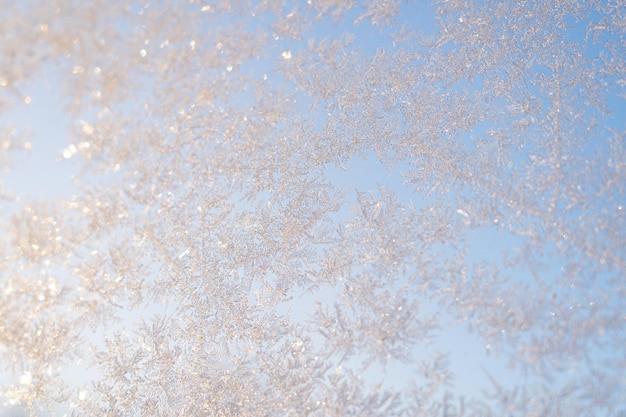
point(209, 265)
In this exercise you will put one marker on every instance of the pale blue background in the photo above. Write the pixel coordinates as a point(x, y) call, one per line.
point(43, 173)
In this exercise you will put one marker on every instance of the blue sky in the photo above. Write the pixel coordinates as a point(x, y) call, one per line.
point(44, 173)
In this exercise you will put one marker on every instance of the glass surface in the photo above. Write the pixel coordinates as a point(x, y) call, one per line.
point(320, 208)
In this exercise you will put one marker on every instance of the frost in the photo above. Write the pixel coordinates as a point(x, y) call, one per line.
point(82, 395)
point(26, 379)
point(375, 208)
point(183, 253)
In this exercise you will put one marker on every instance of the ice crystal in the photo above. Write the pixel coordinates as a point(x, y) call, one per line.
point(212, 261)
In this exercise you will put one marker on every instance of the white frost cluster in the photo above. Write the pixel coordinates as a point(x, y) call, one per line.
point(223, 254)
